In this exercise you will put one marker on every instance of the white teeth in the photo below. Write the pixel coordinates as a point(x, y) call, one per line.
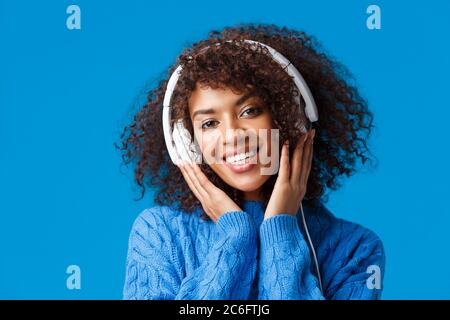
point(240, 158)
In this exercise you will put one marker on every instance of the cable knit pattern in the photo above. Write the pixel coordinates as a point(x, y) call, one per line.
point(176, 255)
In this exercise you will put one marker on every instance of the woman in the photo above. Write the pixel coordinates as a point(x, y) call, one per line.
point(224, 230)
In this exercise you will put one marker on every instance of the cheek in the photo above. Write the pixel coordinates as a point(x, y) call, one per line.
point(208, 142)
point(268, 136)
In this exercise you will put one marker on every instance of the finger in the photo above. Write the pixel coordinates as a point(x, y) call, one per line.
point(195, 180)
point(284, 171)
point(310, 161)
point(183, 167)
point(200, 181)
point(202, 178)
point(306, 160)
point(189, 181)
point(297, 158)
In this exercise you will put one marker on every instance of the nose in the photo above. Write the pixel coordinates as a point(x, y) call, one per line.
point(235, 133)
point(235, 138)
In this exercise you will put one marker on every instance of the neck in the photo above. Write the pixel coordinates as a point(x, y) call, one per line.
point(253, 195)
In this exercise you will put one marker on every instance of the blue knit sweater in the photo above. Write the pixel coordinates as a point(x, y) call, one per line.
point(176, 255)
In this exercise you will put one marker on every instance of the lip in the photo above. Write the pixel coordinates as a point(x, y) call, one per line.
point(240, 150)
point(235, 152)
point(241, 168)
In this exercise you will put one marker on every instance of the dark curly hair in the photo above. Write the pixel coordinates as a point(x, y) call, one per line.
point(344, 125)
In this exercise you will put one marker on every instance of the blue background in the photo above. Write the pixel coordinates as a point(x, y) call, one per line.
point(65, 96)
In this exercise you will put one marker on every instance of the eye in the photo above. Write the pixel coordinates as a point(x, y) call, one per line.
point(252, 111)
point(208, 124)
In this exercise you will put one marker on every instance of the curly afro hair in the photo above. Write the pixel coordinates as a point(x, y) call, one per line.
point(342, 132)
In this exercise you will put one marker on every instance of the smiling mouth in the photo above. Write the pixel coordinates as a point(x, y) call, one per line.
point(241, 158)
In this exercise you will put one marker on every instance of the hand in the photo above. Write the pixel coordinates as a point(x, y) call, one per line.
point(290, 187)
point(214, 201)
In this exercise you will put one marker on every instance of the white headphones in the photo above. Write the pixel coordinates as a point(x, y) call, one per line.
point(181, 146)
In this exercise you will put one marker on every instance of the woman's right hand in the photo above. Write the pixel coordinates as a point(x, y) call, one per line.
point(214, 201)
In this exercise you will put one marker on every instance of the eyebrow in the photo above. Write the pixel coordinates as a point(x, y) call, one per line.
point(238, 102)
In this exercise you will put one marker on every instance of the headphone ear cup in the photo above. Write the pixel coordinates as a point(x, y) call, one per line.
point(196, 153)
point(302, 123)
point(178, 139)
point(186, 148)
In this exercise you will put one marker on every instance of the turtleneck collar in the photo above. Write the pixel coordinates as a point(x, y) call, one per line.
point(256, 209)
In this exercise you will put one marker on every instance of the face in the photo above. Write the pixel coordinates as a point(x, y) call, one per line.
point(234, 133)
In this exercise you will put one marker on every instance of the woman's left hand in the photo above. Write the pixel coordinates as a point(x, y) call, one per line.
point(290, 187)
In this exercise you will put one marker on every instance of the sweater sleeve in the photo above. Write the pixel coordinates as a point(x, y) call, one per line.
point(285, 270)
point(153, 271)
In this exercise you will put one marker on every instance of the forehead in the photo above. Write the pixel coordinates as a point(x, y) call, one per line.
point(216, 98)
point(203, 94)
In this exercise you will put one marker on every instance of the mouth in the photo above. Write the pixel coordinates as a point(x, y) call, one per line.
point(242, 162)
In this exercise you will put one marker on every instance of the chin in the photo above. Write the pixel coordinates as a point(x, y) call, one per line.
point(245, 182)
